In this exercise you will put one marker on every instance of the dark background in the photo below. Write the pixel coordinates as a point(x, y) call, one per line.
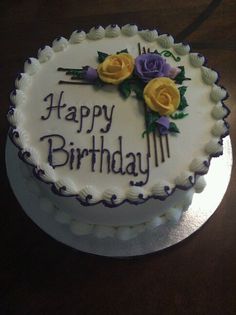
point(38, 275)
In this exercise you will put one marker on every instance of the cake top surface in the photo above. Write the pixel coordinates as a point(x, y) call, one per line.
point(117, 115)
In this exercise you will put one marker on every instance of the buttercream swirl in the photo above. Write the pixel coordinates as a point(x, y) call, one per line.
point(31, 66)
point(209, 76)
point(196, 59)
point(182, 49)
point(62, 217)
point(219, 111)
point(113, 196)
point(18, 98)
point(59, 44)
point(200, 184)
point(200, 165)
point(162, 189)
point(97, 32)
point(45, 54)
point(174, 214)
point(136, 194)
point(125, 233)
point(89, 194)
point(214, 147)
point(70, 187)
point(129, 29)
point(77, 37)
point(185, 180)
point(102, 231)
point(218, 93)
point(23, 81)
point(47, 173)
point(155, 222)
point(220, 128)
point(165, 40)
point(149, 35)
point(112, 30)
point(79, 228)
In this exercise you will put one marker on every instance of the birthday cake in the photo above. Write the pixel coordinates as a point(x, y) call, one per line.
point(120, 126)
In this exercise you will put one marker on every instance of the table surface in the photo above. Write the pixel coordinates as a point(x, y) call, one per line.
point(38, 275)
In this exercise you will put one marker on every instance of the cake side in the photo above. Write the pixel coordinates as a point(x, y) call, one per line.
point(89, 184)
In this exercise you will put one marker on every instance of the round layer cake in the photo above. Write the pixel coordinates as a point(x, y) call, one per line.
point(120, 124)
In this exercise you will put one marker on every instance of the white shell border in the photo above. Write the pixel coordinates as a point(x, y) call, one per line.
point(89, 195)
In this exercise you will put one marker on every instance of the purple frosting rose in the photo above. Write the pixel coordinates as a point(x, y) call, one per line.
point(150, 66)
point(90, 74)
point(163, 124)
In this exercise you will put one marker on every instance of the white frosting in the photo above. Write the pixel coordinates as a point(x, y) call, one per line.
point(48, 174)
point(174, 215)
point(89, 194)
point(161, 189)
point(62, 217)
point(196, 60)
point(149, 36)
point(200, 184)
point(59, 44)
point(23, 81)
point(218, 93)
point(185, 179)
point(166, 41)
point(113, 196)
point(45, 54)
point(200, 165)
point(182, 49)
point(155, 222)
point(129, 29)
point(15, 117)
point(219, 111)
point(125, 233)
point(18, 98)
point(102, 231)
point(209, 76)
point(214, 146)
point(77, 37)
point(31, 66)
point(96, 33)
point(136, 194)
point(79, 228)
point(112, 31)
point(219, 128)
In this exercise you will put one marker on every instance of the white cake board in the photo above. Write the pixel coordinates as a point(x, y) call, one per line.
point(201, 209)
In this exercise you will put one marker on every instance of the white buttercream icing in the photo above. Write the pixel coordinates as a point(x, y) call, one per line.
point(45, 54)
point(46, 205)
point(209, 76)
point(31, 66)
point(185, 179)
point(214, 146)
point(219, 128)
point(219, 111)
point(129, 29)
point(174, 215)
point(96, 33)
point(149, 35)
point(59, 44)
point(62, 217)
point(182, 49)
point(162, 189)
point(196, 60)
point(200, 164)
point(89, 194)
point(77, 37)
point(79, 228)
point(18, 98)
point(200, 184)
point(218, 93)
point(155, 222)
point(102, 231)
point(165, 40)
point(23, 81)
point(113, 196)
point(112, 30)
point(136, 194)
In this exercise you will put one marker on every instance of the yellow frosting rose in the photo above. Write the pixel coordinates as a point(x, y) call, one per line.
point(116, 68)
point(162, 95)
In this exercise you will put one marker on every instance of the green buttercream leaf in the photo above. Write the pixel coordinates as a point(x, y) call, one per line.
point(183, 103)
point(123, 51)
point(173, 128)
point(138, 87)
point(182, 90)
point(101, 56)
point(98, 83)
point(178, 115)
point(152, 117)
point(125, 88)
point(181, 76)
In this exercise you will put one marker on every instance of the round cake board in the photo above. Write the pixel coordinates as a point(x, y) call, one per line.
point(203, 206)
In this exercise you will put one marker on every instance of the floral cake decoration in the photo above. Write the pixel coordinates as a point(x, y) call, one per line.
point(149, 76)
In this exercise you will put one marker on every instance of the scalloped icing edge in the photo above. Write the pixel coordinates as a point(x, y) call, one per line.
point(32, 65)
